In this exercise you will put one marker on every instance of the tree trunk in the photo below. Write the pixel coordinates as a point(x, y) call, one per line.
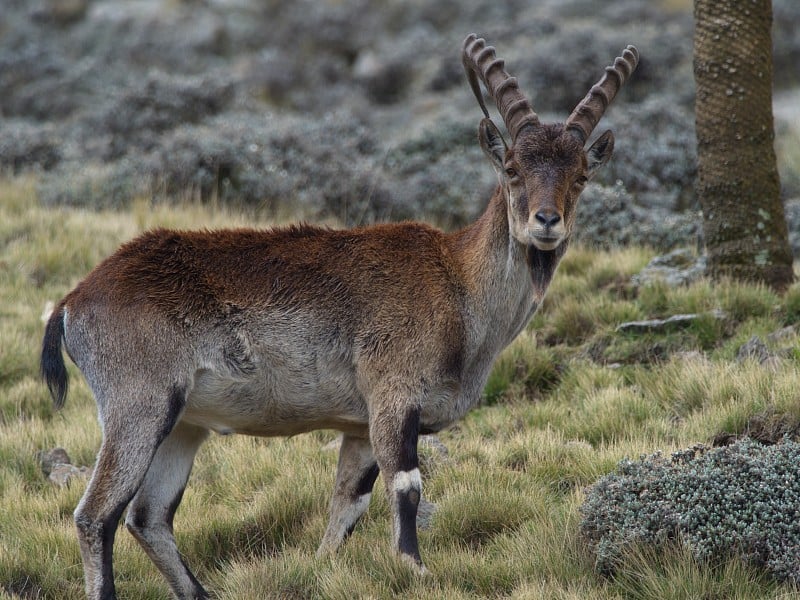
point(743, 218)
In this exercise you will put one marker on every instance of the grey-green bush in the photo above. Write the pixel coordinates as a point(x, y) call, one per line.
point(741, 500)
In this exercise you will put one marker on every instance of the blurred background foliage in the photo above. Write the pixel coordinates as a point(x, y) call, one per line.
point(353, 110)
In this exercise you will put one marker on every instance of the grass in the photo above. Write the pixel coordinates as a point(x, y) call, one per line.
point(566, 401)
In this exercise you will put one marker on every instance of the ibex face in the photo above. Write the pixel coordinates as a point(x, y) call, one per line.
point(546, 168)
point(542, 175)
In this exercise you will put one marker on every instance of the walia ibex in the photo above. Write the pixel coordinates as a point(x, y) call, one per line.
point(381, 332)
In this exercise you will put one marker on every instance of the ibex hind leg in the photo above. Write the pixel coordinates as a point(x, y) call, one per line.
point(130, 440)
point(151, 511)
point(355, 477)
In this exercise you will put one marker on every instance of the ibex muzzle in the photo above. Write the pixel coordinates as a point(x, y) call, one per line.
point(381, 332)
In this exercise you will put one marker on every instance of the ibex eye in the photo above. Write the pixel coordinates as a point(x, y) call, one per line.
point(511, 173)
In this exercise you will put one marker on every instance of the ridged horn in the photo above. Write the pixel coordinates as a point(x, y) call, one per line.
point(481, 62)
point(586, 115)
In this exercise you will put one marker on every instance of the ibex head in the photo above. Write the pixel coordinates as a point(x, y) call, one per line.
point(546, 168)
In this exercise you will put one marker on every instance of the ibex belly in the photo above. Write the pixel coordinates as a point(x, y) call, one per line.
point(224, 404)
point(278, 392)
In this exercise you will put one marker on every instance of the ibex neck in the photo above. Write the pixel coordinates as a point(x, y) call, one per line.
point(481, 248)
point(505, 280)
point(488, 254)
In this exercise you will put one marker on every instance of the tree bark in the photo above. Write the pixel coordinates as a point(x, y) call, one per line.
point(743, 217)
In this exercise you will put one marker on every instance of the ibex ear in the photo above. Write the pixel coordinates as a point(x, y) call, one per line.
point(492, 143)
point(599, 153)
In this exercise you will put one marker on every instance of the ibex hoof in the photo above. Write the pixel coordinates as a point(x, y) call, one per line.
point(419, 569)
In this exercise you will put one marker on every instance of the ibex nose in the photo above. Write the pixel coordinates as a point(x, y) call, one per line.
point(547, 218)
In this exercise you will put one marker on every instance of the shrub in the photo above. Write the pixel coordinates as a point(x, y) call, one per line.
point(740, 500)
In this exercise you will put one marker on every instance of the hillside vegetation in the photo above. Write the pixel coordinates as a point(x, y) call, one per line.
point(355, 110)
point(567, 401)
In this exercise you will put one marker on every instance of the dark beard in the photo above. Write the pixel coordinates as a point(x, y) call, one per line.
point(542, 264)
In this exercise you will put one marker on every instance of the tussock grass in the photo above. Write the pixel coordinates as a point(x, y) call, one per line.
point(525, 368)
point(791, 304)
point(566, 401)
point(676, 575)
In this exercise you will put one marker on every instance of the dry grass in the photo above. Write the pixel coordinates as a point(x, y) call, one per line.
point(561, 415)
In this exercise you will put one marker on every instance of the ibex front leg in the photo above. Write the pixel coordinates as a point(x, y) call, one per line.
point(394, 432)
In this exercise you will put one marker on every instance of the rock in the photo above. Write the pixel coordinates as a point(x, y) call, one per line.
point(63, 474)
point(425, 512)
point(772, 363)
point(783, 334)
point(432, 444)
point(754, 349)
point(432, 453)
point(669, 324)
point(679, 267)
point(680, 258)
point(58, 467)
point(52, 458)
point(658, 325)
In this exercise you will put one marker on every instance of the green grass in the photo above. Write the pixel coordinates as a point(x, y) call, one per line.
point(566, 401)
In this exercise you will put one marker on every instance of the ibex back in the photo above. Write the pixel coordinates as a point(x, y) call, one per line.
point(381, 332)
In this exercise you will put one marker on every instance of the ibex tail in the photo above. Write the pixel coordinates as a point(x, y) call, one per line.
point(52, 367)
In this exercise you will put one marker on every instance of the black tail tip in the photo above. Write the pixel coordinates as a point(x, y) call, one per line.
point(54, 374)
point(52, 367)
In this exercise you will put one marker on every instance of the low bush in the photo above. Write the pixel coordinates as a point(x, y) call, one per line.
point(740, 500)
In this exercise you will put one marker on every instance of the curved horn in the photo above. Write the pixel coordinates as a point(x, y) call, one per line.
point(584, 118)
point(480, 61)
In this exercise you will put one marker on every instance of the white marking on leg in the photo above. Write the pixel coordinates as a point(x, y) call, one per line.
point(402, 483)
point(405, 481)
